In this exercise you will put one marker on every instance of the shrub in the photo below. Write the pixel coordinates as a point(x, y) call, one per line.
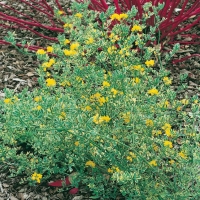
point(104, 112)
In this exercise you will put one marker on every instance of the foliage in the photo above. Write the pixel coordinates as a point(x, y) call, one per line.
point(173, 29)
point(106, 114)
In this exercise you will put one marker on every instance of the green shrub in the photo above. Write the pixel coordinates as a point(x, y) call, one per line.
point(104, 110)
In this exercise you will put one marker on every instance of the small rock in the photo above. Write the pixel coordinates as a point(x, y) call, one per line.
point(13, 198)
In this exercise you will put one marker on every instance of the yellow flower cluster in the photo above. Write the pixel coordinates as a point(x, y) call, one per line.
point(111, 50)
point(149, 63)
point(73, 49)
point(168, 144)
point(113, 169)
point(99, 98)
point(149, 122)
point(60, 12)
point(50, 82)
point(90, 164)
point(48, 64)
point(76, 143)
point(67, 25)
point(167, 129)
point(113, 37)
point(79, 15)
point(36, 177)
point(66, 41)
point(7, 101)
point(153, 91)
point(131, 156)
point(182, 155)
point(136, 28)
point(62, 115)
point(153, 163)
point(106, 84)
point(100, 119)
point(137, 68)
point(50, 49)
point(90, 40)
point(41, 51)
point(38, 98)
point(114, 91)
point(135, 80)
point(118, 16)
point(167, 81)
point(127, 117)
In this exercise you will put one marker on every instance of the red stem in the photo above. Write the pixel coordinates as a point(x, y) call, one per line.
point(19, 21)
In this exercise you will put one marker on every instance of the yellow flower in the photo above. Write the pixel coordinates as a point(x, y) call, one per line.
point(123, 16)
point(41, 51)
point(136, 80)
point(149, 122)
point(178, 108)
point(7, 101)
point(76, 143)
point(117, 169)
point(69, 52)
point(156, 132)
point(155, 147)
point(38, 98)
point(110, 170)
point(105, 118)
point(67, 25)
point(166, 126)
point(74, 46)
point(102, 100)
point(106, 84)
point(115, 16)
point(62, 115)
point(168, 144)
point(79, 15)
point(153, 163)
point(49, 49)
point(153, 91)
point(132, 155)
point(182, 155)
point(129, 158)
point(167, 81)
point(166, 104)
point(52, 61)
point(149, 63)
point(64, 83)
point(90, 40)
point(184, 101)
point(36, 177)
point(168, 132)
point(111, 49)
point(88, 108)
point(50, 82)
point(171, 162)
point(127, 117)
point(38, 107)
point(118, 16)
point(114, 91)
point(66, 41)
point(136, 28)
point(90, 164)
point(60, 12)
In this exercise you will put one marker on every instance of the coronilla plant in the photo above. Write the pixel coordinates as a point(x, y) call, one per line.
point(104, 116)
